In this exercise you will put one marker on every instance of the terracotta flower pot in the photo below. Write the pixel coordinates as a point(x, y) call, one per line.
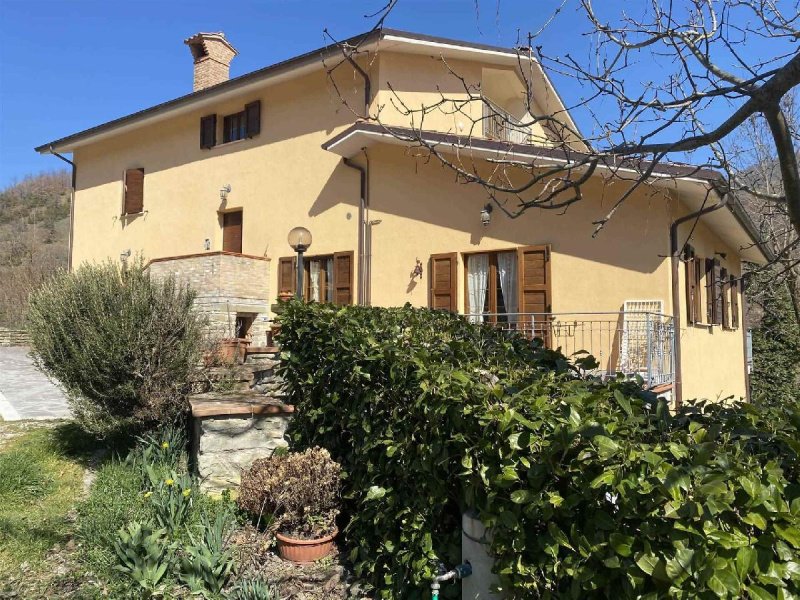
point(305, 551)
point(233, 349)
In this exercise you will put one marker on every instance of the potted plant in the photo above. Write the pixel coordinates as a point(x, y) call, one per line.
point(298, 492)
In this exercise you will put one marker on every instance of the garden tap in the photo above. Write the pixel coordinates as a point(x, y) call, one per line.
point(458, 572)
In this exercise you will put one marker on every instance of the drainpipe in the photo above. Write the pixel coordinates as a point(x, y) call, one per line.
point(71, 205)
point(676, 289)
point(367, 83)
point(363, 284)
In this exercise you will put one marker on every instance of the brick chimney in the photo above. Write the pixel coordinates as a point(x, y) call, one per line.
point(212, 55)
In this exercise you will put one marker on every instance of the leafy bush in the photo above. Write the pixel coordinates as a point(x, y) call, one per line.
point(122, 344)
point(208, 563)
point(144, 554)
point(590, 488)
point(300, 491)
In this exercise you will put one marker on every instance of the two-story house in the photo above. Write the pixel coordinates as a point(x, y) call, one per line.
point(207, 186)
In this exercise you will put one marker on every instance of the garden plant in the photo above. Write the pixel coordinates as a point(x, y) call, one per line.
point(591, 487)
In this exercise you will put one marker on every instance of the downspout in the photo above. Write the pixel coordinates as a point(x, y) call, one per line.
point(676, 289)
point(367, 83)
point(362, 208)
point(71, 205)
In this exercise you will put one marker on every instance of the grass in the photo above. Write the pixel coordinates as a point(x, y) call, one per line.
point(41, 479)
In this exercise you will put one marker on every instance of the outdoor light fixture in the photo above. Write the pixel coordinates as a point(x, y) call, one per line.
point(224, 191)
point(124, 256)
point(417, 272)
point(300, 241)
point(207, 244)
point(486, 215)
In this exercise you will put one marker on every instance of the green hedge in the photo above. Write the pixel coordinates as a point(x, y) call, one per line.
point(591, 488)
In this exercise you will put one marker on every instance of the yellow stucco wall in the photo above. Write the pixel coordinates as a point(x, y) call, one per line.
point(282, 178)
point(712, 357)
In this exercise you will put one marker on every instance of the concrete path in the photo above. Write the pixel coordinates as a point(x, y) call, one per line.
point(25, 392)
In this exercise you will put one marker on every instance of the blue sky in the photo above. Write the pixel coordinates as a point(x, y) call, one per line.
point(66, 65)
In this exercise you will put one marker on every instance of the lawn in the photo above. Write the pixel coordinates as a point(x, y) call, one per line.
point(42, 468)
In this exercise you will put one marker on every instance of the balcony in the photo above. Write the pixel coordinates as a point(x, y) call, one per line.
point(500, 125)
point(628, 343)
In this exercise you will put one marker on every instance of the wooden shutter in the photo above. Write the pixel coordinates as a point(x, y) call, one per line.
point(710, 296)
point(691, 286)
point(208, 131)
point(535, 288)
point(343, 278)
point(443, 279)
point(287, 275)
point(134, 191)
point(734, 287)
point(232, 232)
point(252, 118)
point(723, 292)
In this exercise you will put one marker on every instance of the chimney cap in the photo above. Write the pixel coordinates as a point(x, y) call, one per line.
point(198, 41)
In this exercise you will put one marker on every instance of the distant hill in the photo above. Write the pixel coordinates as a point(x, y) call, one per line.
point(34, 229)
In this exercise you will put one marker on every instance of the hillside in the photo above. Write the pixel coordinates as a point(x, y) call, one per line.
point(34, 227)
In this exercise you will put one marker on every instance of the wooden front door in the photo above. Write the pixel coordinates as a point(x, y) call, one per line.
point(232, 232)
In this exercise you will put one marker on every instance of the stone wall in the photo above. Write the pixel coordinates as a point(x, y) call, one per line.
point(229, 434)
point(226, 284)
point(13, 337)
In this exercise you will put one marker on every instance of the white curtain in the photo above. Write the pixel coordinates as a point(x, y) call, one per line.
point(314, 272)
point(507, 273)
point(329, 279)
point(477, 282)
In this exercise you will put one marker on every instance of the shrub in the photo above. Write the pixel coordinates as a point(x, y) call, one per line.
point(122, 344)
point(590, 487)
point(299, 490)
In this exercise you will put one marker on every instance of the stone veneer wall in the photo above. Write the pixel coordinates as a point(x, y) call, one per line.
point(229, 434)
point(14, 337)
point(226, 284)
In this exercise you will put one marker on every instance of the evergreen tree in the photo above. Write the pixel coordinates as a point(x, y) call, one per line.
point(776, 344)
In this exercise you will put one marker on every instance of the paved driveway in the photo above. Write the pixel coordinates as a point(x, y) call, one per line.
point(25, 393)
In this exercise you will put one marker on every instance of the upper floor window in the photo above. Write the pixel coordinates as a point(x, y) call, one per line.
point(238, 126)
point(234, 127)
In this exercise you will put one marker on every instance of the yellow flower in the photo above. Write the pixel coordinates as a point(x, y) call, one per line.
point(165, 445)
point(186, 492)
point(169, 481)
point(148, 494)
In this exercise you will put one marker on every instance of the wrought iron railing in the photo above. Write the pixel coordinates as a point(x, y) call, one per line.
point(499, 124)
point(630, 343)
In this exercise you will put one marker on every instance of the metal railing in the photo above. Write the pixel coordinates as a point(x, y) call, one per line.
point(630, 343)
point(499, 124)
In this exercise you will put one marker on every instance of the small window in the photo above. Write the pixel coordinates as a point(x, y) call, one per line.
point(234, 127)
point(133, 196)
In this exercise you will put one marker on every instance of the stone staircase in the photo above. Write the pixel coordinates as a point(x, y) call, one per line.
point(257, 375)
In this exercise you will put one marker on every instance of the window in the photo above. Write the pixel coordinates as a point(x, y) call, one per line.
point(234, 127)
point(133, 196)
point(724, 284)
point(327, 278)
point(244, 322)
point(492, 280)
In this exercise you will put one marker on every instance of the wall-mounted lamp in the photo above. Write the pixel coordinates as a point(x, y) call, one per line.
point(486, 214)
point(207, 244)
point(224, 191)
point(417, 272)
point(124, 256)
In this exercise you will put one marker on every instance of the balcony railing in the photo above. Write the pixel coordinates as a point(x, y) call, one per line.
point(627, 343)
point(499, 124)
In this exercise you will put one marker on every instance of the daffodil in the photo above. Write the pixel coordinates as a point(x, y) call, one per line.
point(165, 445)
point(186, 492)
point(148, 494)
point(169, 481)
